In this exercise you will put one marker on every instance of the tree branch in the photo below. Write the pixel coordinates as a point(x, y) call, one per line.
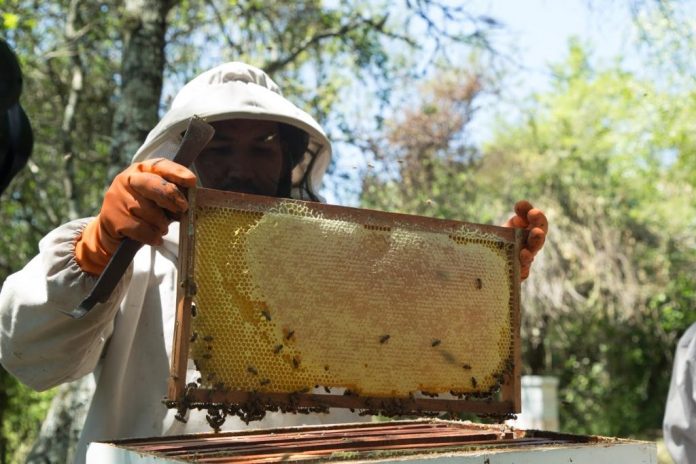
point(221, 24)
point(275, 65)
point(68, 125)
point(54, 217)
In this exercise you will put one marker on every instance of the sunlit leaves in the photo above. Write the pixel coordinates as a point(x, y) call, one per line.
point(609, 156)
point(10, 20)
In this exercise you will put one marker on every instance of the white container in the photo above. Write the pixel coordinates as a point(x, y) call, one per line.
point(539, 404)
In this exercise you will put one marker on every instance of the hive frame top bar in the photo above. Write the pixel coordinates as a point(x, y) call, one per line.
point(251, 403)
point(211, 197)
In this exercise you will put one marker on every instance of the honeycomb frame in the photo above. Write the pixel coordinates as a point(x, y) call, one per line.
point(499, 397)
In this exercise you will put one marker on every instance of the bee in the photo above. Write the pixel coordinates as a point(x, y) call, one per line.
point(277, 349)
point(266, 314)
point(466, 366)
point(265, 381)
point(435, 343)
point(327, 389)
point(208, 338)
point(194, 311)
point(295, 362)
point(252, 370)
point(289, 335)
point(326, 367)
point(479, 283)
point(194, 337)
point(383, 339)
point(474, 382)
point(199, 380)
point(215, 421)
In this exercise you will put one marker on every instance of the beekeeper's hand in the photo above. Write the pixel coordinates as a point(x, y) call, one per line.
point(532, 219)
point(136, 205)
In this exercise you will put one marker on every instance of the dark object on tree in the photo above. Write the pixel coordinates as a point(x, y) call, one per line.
point(16, 139)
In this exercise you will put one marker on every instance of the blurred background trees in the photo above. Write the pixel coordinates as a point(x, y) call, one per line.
point(602, 153)
point(608, 153)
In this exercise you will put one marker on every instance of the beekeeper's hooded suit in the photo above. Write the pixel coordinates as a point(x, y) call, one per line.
point(127, 341)
point(679, 425)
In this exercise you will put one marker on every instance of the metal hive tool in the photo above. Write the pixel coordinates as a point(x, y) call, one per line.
point(291, 305)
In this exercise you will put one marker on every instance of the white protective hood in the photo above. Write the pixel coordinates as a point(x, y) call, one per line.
point(237, 90)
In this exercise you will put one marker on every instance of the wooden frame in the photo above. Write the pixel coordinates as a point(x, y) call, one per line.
point(183, 396)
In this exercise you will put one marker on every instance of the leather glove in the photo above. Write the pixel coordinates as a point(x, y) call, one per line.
point(138, 205)
point(532, 219)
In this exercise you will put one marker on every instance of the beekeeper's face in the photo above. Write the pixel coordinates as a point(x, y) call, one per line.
point(244, 156)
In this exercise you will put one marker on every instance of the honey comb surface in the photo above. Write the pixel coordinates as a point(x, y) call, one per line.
point(288, 299)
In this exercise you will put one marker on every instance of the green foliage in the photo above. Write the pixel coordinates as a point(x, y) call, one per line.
point(19, 428)
point(604, 155)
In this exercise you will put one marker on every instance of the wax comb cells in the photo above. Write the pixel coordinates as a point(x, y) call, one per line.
point(293, 295)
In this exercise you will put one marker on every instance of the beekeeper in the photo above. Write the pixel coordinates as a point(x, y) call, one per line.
point(263, 144)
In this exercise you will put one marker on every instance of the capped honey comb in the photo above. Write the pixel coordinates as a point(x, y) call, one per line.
point(291, 295)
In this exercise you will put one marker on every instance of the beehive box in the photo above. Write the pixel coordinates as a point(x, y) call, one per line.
point(430, 441)
point(293, 305)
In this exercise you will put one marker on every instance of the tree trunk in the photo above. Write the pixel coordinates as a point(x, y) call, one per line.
point(72, 25)
point(141, 78)
point(62, 427)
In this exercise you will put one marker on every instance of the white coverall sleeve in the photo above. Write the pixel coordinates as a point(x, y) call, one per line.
point(679, 425)
point(40, 345)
